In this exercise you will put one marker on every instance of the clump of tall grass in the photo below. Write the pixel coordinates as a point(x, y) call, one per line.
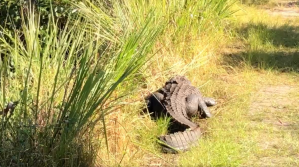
point(64, 80)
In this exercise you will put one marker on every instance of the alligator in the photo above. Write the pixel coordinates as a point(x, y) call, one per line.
point(180, 100)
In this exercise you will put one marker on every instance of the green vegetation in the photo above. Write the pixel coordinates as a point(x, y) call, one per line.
point(80, 71)
point(64, 80)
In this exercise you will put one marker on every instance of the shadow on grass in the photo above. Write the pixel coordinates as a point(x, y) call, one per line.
point(286, 35)
point(275, 48)
point(289, 4)
point(281, 61)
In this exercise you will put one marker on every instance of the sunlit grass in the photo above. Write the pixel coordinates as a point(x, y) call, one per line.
point(231, 138)
point(265, 37)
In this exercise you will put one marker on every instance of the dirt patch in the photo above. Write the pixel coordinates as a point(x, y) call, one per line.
point(274, 98)
point(274, 112)
point(286, 9)
point(272, 102)
point(286, 12)
point(167, 160)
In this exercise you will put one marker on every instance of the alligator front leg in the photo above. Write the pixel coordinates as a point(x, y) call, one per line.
point(202, 107)
point(195, 103)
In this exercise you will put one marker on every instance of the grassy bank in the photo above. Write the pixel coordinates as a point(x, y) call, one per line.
point(70, 81)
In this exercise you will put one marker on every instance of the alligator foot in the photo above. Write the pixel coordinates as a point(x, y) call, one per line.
point(210, 101)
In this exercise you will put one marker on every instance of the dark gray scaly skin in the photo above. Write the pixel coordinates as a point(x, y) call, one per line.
point(181, 101)
point(180, 141)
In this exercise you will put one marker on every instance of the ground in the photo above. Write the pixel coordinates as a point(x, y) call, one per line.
point(274, 109)
point(285, 8)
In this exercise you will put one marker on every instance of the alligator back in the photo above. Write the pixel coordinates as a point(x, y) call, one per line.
point(175, 93)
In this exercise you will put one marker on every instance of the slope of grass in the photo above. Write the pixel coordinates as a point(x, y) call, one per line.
point(76, 82)
point(186, 46)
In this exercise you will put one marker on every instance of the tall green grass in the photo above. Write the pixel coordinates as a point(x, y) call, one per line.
point(64, 81)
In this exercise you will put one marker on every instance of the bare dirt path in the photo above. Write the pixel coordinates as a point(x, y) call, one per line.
point(274, 112)
point(273, 98)
point(285, 8)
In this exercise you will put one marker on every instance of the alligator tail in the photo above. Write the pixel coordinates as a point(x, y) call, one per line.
point(180, 141)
